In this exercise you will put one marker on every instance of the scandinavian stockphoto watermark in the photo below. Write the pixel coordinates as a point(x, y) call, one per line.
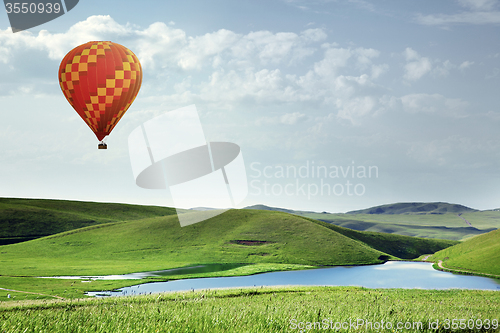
point(370, 325)
point(28, 14)
point(310, 179)
point(171, 151)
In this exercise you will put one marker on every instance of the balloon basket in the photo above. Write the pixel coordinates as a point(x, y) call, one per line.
point(102, 145)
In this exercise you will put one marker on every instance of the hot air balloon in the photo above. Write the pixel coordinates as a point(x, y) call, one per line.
point(100, 80)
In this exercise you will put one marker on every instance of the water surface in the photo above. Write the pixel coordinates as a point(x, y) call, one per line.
point(392, 274)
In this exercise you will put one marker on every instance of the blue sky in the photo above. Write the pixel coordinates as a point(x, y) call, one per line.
point(409, 88)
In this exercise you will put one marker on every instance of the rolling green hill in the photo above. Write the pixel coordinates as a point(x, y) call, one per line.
point(237, 236)
point(478, 254)
point(25, 219)
point(404, 247)
point(256, 240)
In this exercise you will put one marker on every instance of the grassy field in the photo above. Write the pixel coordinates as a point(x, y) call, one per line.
point(479, 254)
point(260, 241)
point(160, 243)
point(237, 236)
point(24, 219)
point(274, 309)
point(404, 247)
point(32, 288)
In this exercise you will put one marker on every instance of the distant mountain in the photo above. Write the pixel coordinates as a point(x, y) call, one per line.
point(415, 208)
point(429, 220)
point(275, 209)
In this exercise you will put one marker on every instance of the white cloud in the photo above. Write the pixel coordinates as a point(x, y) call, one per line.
point(434, 103)
point(334, 59)
point(378, 70)
point(159, 45)
point(478, 18)
point(355, 108)
point(227, 69)
point(416, 66)
point(450, 151)
point(466, 64)
point(200, 48)
point(430, 152)
point(293, 118)
point(286, 119)
point(444, 68)
point(477, 12)
point(262, 86)
point(478, 4)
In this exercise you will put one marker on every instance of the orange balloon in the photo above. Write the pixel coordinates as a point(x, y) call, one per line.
point(100, 80)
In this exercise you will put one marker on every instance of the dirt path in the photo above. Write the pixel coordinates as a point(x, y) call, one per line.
point(440, 264)
point(468, 223)
point(29, 292)
point(426, 257)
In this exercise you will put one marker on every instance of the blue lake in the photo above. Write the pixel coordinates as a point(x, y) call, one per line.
point(392, 274)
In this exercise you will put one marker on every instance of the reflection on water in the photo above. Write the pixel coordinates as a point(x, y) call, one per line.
point(198, 269)
point(166, 272)
point(392, 274)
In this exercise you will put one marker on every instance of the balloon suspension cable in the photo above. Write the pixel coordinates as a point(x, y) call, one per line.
point(102, 145)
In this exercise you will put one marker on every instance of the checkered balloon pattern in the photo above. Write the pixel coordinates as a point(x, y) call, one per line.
point(100, 80)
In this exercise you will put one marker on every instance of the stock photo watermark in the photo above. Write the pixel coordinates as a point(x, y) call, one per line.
point(170, 151)
point(28, 14)
point(448, 324)
point(310, 179)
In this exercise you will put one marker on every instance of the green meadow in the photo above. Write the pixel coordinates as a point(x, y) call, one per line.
point(255, 241)
point(25, 219)
point(100, 239)
point(237, 236)
point(273, 309)
point(160, 243)
point(480, 254)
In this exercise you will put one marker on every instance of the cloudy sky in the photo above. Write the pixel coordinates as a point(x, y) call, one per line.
point(405, 89)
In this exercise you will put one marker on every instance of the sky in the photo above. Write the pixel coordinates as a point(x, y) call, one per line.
point(336, 105)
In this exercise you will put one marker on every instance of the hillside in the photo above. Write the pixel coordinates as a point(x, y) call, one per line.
point(478, 254)
point(25, 219)
point(415, 208)
point(237, 236)
point(404, 247)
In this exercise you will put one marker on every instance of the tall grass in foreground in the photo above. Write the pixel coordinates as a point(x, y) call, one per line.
point(285, 309)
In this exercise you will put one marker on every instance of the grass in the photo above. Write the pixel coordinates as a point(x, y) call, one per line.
point(260, 241)
point(21, 219)
point(404, 247)
point(32, 287)
point(478, 254)
point(160, 243)
point(273, 309)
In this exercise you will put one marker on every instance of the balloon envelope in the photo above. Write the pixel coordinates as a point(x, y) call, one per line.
point(100, 80)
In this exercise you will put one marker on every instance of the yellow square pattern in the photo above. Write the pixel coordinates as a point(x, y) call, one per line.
point(110, 92)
